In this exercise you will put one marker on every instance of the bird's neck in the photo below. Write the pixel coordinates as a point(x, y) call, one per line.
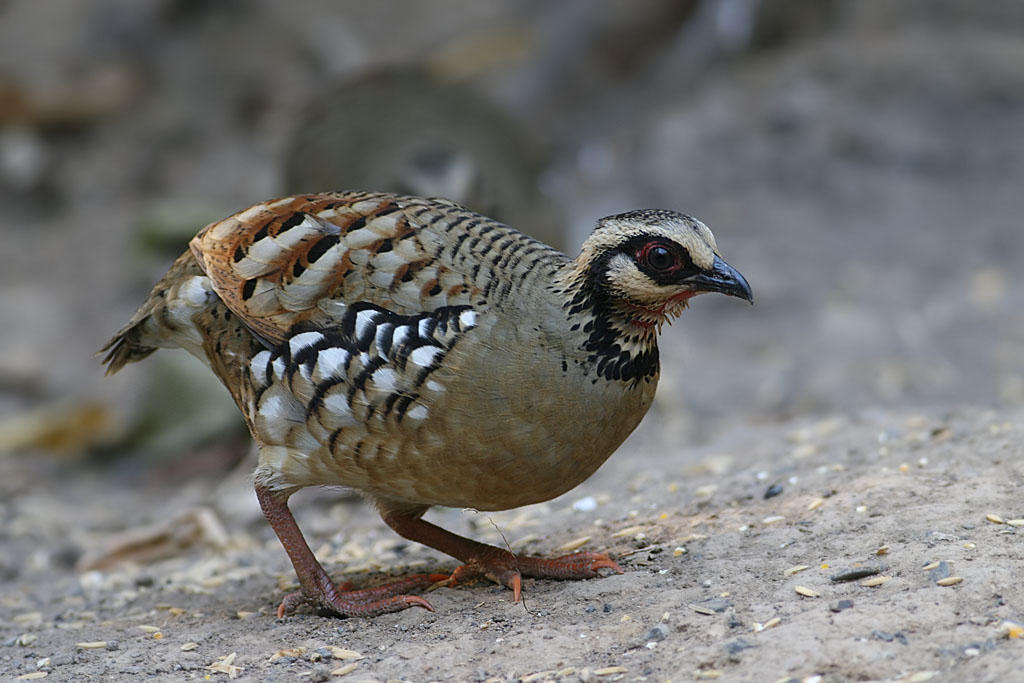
point(618, 340)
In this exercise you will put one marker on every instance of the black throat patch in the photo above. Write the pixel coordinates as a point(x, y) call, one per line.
point(613, 350)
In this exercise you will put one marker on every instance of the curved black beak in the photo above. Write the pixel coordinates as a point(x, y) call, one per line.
point(722, 278)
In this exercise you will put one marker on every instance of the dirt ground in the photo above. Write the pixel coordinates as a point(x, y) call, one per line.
point(861, 163)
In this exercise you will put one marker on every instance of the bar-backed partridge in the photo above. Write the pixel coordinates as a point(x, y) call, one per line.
point(423, 354)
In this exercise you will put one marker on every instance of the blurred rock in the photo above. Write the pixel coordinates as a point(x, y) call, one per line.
point(407, 132)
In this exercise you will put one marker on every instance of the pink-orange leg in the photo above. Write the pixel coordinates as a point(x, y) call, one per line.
point(318, 589)
point(501, 566)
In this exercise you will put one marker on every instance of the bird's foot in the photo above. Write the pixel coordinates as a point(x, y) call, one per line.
point(343, 601)
point(507, 569)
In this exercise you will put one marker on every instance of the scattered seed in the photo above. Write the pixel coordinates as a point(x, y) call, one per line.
point(815, 504)
point(774, 621)
point(705, 491)
point(575, 544)
point(773, 519)
point(537, 676)
point(995, 519)
point(795, 570)
point(931, 566)
point(707, 674)
point(1011, 629)
point(875, 581)
point(28, 618)
point(970, 546)
point(628, 531)
point(33, 676)
point(26, 639)
point(825, 565)
point(711, 606)
point(861, 508)
point(884, 550)
point(226, 665)
point(680, 550)
point(287, 653)
point(188, 647)
point(807, 592)
point(93, 645)
point(950, 581)
point(921, 676)
point(158, 635)
point(149, 629)
point(175, 611)
point(1015, 522)
point(567, 671)
point(625, 618)
point(610, 671)
point(342, 653)
point(904, 467)
point(345, 670)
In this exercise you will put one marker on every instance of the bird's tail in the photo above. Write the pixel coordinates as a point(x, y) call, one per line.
point(165, 319)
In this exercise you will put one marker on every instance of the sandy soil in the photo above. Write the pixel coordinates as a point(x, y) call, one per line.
point(861, 167)
point(709, 588)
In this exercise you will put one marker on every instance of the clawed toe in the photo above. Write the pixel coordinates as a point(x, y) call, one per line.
point(368, 602)
point(507, 569)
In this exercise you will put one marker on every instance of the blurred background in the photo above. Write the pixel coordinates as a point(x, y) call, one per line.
point(861, 162)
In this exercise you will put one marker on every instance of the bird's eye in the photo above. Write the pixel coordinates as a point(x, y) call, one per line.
point(659, 258)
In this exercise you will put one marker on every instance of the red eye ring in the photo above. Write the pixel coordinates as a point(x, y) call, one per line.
point(658, 257)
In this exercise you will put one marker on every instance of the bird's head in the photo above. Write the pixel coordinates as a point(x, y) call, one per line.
point(648, 264)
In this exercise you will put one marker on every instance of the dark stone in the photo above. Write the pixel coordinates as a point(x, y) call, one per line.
point(715, 604)
point(657, 632)
point(734, 647)
point(854, 573)
point(773, 490)
point(940, 572)
point(840, 605)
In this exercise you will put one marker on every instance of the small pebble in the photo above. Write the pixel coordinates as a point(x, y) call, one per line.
point(711, 606)
point(734, 647)
point(586, 504)
point(320, 674)
point(840, 605)
point(773, 490)
point(657, 632)
point(940, 571)
point(854, 573)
